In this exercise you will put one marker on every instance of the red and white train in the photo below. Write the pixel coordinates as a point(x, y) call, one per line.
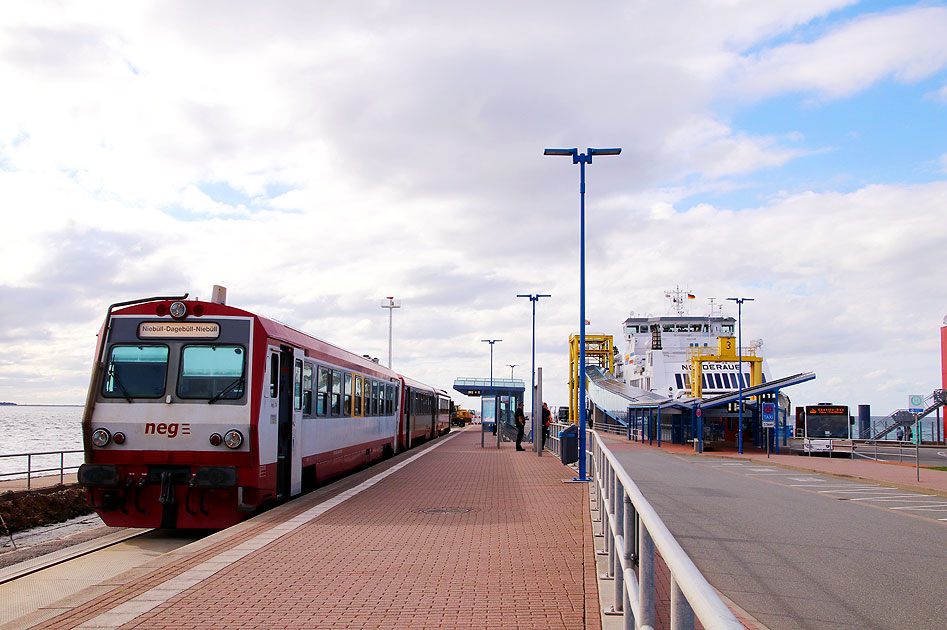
point(199, 412)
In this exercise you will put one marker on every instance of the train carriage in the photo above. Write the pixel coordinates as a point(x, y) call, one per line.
point(199, 412)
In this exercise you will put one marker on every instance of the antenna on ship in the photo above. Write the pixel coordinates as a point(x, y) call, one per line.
point(712, 307)
point(678, 298)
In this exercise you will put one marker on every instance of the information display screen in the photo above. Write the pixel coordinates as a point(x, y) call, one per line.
point(827, 421)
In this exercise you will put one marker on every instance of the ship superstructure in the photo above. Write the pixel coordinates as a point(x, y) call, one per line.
point(659, 351)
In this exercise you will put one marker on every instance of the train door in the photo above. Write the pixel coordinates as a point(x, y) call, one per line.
point(288, 464)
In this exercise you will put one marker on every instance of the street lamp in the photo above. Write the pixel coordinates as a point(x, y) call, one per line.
point(496, 416)
point(390, 303)
point(740, 302)
point(511, 366)
point(532, 396)
point(581, 159)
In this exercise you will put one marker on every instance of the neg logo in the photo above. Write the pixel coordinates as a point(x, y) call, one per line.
point(170, 429)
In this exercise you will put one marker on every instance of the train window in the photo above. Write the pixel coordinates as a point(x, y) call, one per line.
point(389, 397)
point(307, 389)
point(322, 392)
point(397, 399)
point(336, 393)
point(347, 396)
point(377, 408)
point(298, 386)
point(214, 372)
point(358, 395)
point(274, 375)
point(136, 372)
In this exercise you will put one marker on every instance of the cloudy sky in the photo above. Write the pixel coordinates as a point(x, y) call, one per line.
point(316, 157)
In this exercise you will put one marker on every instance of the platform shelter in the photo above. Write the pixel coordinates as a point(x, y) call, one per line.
point(507, 394)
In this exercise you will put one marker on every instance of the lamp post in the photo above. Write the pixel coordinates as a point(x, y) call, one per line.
point(390, 303)
point(496, 416)
point(740, 302)
point(511, 366)
point(532, 383)
point(581, 159)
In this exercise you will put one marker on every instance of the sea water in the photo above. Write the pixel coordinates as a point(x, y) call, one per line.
point(35, 429)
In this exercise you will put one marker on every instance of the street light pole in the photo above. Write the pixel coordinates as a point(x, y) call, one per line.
point(740, 302)
point(496, 416)
point(391, 304)
point(582, 159)
point(532, 396)
point(511, 366)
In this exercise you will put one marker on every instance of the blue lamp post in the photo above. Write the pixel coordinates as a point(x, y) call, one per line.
point(740, 302)
point(496, 416)
point(533, 298)
point(581, 159)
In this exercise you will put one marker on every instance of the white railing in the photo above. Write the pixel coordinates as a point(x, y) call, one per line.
point(633, 531)
point(43, 457)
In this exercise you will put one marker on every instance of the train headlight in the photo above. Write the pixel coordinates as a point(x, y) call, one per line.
point(233, 438)
point(101, 437)
point(215, 439)
point(119, 438)
point(178, 310)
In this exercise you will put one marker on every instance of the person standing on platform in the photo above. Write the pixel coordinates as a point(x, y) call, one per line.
point(547, 419)
point(520, 419)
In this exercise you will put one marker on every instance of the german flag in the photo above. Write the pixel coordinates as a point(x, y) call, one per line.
point(691, 296)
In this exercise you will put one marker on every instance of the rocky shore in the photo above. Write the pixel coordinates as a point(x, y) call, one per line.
point(25, 509)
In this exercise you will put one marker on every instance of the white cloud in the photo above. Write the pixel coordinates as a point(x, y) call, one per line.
point(906, 44)
point(396, 149)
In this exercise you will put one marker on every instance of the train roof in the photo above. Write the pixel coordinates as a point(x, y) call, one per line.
point(274, 329)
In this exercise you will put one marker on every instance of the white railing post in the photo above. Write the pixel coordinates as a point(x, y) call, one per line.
point(645, 577)
point(682, 615)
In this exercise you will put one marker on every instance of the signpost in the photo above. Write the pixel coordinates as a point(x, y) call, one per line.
point(768, 412)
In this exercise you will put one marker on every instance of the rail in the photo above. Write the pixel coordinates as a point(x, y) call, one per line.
point(633, 532)
point(31, 472)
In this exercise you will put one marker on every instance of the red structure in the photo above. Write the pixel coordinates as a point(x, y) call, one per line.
point(943, 366)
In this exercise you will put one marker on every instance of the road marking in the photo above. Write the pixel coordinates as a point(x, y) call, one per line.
point(897, 497)
point(922, 507)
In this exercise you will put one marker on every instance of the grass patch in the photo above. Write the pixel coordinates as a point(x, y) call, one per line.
point(944, 468)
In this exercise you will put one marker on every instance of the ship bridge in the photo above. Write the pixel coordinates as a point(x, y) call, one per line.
point(648, 416)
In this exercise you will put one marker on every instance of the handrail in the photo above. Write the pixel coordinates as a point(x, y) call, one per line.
point(633, 530)
point(30, 472)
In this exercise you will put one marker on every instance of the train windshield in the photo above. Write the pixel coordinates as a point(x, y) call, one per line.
point(136, 372)
point(215, 372)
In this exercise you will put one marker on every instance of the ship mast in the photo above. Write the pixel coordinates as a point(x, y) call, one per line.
point(678, 298)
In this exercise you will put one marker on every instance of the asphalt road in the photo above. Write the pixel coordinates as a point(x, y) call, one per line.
point(799, 550)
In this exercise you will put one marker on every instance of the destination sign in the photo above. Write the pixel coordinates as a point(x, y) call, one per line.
point(820, 410)
point(178, 330)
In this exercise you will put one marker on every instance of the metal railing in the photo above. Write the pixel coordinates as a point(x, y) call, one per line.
point(633, 532)
point(31, 472)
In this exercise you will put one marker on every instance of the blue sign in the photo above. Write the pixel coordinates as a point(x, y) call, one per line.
point(768, 410)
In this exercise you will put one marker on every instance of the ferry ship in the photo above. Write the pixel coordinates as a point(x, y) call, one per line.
point(659, 352)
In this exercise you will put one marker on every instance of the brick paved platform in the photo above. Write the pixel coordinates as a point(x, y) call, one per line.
point(398, 554)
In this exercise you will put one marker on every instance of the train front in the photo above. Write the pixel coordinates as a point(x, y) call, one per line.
point(167, 425)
